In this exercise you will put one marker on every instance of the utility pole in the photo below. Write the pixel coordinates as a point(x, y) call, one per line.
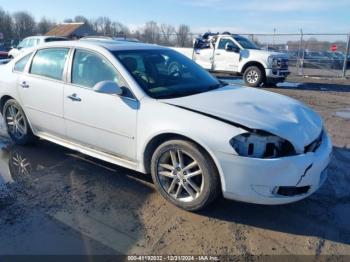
point(346, 59)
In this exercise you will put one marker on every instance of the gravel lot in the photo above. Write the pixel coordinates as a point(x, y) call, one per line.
point(62, 202)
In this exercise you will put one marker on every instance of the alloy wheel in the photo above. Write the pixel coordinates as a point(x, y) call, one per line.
point(252, 77)
point(15, 121)
point(180, 175)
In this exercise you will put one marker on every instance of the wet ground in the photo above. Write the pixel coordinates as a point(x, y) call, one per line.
point(56, 201)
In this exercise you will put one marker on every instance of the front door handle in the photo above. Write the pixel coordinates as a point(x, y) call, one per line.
point(24, 84)
point(74, 98)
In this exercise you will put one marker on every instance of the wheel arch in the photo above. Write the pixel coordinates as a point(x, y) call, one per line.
point(3, 101)
point(254, 63)
point(157, 140)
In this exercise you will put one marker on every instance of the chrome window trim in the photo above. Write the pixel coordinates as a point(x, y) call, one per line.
point(70, 71)
point(46, 77)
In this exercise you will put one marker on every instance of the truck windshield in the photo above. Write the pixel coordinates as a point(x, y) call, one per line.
point(245, 43)
point(165, 73)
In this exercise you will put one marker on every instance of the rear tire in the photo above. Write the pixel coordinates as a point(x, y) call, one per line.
point(253, 76)
point(17, 124)
point(185, 175)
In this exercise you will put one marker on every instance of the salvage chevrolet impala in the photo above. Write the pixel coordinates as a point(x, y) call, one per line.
point(153, 110)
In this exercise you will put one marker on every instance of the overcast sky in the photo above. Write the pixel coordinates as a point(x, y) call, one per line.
point(256, 16)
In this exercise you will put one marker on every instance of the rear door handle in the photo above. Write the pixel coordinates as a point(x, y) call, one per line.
point(74, 98)
point(24, 84)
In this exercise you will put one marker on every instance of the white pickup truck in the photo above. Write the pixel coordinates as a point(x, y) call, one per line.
point(234, 54)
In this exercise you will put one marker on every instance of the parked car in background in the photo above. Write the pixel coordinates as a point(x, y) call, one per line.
point(293, 57)
point(128, 39)
point(153, 110)
point(31, 42)
point(3, 52)
point(237, 55)
point(335, 59)
point(316, 60)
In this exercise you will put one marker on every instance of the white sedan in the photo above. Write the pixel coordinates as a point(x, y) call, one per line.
point(31, 42)
point(153, 110)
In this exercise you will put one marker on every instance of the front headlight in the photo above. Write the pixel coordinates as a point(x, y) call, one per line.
point(273, 61)
point(261, 145)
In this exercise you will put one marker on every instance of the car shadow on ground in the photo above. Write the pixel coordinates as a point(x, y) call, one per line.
point(325, 215)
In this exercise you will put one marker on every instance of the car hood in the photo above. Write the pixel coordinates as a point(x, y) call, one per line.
point(265, 53)
point(257, 109)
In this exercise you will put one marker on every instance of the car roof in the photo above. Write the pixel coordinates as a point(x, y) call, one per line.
point(111, 45)
point(44, 37)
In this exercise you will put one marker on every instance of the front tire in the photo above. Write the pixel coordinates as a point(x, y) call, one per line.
point(185, 175)
point(253, 76)
point(17, 124)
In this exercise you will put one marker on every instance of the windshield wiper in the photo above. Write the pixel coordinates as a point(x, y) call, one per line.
point(216, 86)
point(191, 92)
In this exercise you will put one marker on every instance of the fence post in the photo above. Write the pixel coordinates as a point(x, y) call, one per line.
point(299, 54)
point(302, 52)
point(346, 57)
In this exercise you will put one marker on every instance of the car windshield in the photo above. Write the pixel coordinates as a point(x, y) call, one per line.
point(165, 73)
point(22, 44)
point(245, 43)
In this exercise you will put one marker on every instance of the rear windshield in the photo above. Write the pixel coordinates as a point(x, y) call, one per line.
point(55, 39)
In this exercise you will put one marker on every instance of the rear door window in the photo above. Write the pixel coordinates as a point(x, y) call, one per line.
point(21, 64)
point(50, 63)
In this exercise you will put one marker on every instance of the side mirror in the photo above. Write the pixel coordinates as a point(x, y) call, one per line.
point(232, 48)
point(109, 88)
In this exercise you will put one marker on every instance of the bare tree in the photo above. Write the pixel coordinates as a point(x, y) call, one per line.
point(81, 19)
point(102, 25)
point(118, 29)
point(167, 32)
point(45, 26)
point(151, 32)
point(183, 35)
point(24, 25)
point(68, 20)
point(6, 25)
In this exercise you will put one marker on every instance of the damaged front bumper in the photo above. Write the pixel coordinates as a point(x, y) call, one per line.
point(276, 73)
point(274, 181)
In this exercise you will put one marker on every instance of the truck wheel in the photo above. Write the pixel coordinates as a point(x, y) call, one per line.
point(253, 76)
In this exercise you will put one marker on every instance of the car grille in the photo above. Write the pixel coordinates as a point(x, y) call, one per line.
point(282, 63)
point(315, 144)
point(293, 191)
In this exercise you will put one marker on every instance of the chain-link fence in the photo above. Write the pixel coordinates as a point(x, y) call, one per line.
point(324, 55)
